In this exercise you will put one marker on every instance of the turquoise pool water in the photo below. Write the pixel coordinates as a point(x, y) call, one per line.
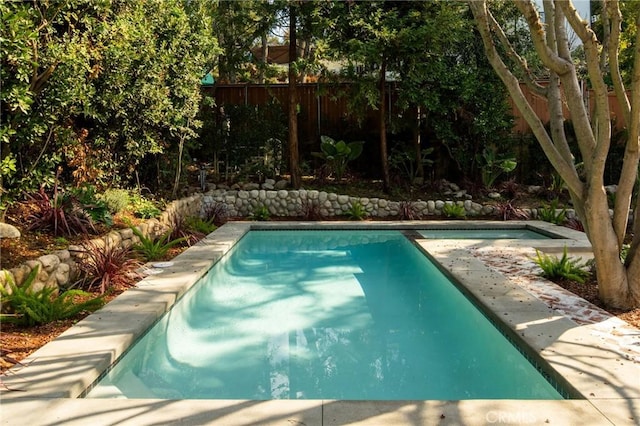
point(354, 315)
point(484, 234)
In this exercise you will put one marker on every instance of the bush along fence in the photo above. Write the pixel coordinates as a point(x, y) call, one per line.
point(59, 268)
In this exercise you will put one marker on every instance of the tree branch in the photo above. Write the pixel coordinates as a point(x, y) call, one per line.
point(590, 141)
point(629, 171)
point(549, 58)
point(554, 95)
point(516, 59)
point(613, 45)
point(565, 169)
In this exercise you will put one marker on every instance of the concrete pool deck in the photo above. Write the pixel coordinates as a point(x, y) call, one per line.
point(593, 354)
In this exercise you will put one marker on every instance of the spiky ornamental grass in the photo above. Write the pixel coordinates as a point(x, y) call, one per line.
point(107, 266)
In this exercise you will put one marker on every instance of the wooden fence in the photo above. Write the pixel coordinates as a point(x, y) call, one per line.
point(323, 112)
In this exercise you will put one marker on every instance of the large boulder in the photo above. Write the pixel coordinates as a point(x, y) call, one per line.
point(8, 231)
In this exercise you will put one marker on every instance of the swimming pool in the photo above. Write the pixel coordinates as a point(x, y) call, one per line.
point(53, 380)
point(344, 314)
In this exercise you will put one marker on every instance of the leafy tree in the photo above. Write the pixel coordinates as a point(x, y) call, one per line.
point(618, 281)
point(95, 87)
point(365, 35)
point(239, 24)
point(438, 62)
point(428, 50)
point(45, 72)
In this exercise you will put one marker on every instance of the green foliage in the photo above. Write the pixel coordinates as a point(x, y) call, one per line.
point(201, 225)
point(356, 211)
point(552, 213)
point(143, 208)
point(154, 248)
point(436, 59)
point(337, 154)
point(97, 87)
point(116, 199)
point(45, 305)
point(454, 211)
point(92, 204)
point(493, 167)
point(557, 183)
point(624, 252)
point(260, 213)
point(403, 160)
point(561, 268)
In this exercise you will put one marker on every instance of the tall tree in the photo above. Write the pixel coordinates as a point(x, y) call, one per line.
point(240, 25)
point(294, 160)
point(363, 34)
point(429, 52)
point(618, 280)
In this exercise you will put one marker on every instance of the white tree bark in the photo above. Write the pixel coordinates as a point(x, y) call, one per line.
point(619, 283)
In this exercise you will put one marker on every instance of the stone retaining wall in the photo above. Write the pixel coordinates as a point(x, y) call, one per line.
point(298, 203)
point(59, 268)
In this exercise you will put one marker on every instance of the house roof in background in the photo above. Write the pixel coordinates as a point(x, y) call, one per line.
point(275, 55)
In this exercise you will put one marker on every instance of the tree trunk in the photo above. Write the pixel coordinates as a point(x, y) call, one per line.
point(384, 161)
point(618, 282)
point(417, 150)
point(265, 54)
point(294, 160)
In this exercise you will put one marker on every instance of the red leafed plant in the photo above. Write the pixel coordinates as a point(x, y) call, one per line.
point(105, 267)
point(59, 214)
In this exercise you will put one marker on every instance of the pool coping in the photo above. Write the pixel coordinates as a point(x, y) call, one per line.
point(54, 376)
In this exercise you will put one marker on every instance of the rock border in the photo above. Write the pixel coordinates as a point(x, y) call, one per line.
point(59, 268)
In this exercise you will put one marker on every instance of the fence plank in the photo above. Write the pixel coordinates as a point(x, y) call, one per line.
point(324, 112)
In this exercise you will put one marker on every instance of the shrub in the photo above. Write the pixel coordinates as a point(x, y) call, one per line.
point(337, 154)
point(154, 249)
point(94, 206)
point(60, 214)
point(453, 210)
point(179, 229)
point(552, 213)
point(215, 213)
point(507, 211)
point(493, 167)
point(407, 211)
point(574, 223)
point(143, 208)
point(260, 213)
point(45, 305)
point(356, 211)
point(310, 209)
point(106, 267)
point(564, 267)
point(200, 226)
point(116, 199)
